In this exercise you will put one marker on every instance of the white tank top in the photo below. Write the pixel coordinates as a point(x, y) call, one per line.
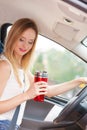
point(12, 89)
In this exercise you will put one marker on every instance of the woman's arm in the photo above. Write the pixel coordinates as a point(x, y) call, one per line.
point(55, 90)
point(4, 75)
point(7, 105)
point(11, 103)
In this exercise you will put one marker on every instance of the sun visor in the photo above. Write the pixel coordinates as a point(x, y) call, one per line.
point(65, 31)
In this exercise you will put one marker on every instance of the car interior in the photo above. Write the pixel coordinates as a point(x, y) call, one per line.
point(65, 23)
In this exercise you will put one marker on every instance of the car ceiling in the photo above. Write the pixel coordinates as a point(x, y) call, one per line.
point(60, 20)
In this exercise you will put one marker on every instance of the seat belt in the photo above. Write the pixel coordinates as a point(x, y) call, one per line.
point(14, 119)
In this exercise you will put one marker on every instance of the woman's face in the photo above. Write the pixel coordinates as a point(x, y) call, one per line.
point(25, 42)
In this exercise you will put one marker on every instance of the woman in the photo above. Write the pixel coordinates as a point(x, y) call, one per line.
point(16, 81)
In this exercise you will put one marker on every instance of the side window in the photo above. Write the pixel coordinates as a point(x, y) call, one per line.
point(60, 64)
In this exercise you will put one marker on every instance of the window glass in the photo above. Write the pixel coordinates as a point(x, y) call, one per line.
point(60, 64)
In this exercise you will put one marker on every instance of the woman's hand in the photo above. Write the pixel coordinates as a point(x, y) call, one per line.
point(37, 88)
point(82, 80)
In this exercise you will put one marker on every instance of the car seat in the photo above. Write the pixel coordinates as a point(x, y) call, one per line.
point(3, 33)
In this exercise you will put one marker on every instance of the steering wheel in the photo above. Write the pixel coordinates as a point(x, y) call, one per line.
point(71, 106)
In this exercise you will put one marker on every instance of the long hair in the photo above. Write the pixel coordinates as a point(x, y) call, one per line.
point(17, 29)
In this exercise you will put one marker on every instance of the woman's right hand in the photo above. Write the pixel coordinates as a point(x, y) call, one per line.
point(37, 88)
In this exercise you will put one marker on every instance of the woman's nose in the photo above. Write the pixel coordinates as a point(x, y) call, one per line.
point(25, 45)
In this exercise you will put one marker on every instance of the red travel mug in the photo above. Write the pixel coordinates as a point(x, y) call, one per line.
point(40, 76)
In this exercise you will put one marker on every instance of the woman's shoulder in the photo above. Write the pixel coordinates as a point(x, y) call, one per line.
point(4, 65)
point(5, 72)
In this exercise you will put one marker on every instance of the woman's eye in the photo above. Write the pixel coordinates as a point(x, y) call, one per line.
point(21, 39)
point(30, 42)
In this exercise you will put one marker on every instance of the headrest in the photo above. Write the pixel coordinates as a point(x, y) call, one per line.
point(3, 33)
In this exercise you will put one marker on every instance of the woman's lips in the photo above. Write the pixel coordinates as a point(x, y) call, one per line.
point(22, 50)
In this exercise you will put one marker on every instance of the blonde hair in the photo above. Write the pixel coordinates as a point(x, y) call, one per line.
point(17, 29)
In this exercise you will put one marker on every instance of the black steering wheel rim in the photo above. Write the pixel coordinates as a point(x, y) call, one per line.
point(71, 105)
